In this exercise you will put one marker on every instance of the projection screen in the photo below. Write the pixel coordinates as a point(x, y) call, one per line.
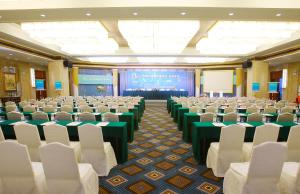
point(218, 81)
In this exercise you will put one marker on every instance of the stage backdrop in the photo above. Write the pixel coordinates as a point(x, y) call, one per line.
point(157, 79)
point(95, 82)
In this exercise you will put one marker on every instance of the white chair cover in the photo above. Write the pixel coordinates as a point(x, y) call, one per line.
point(63, 174)
point(290, 178)
point(228, 150)
point(95, 151)
point(13, 115)
point(49, 108)
point(103, 109)
point(263, 133)
point(28, 135)
point(86, 116)
point(10, 108)
point(110, 117)
point(230, 117)
point(261, 175)
point(254, 117)
point(293, 144)
point(40, 116)
point(211, 109)
point(122, 109)
point(17, 174)
point(63, 116)
point(1, 135)
point(285, 117)
point(207, 117)
point(67, 108)
point(29, 108)
point(85, 108)
point(59, 133)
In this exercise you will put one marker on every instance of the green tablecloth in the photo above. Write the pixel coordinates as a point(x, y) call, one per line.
point(188, 119)
point(127, 117)
point(169, 103)
point(175, 111)
point(180, 115)
point(114, 132)
point(203, 133)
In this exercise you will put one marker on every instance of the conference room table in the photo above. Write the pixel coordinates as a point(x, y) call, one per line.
point(155, 94)
point(113, 132)
point(127, 117)
point(203, 133)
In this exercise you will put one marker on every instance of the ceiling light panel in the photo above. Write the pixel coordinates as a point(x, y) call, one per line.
point(107, 59)
point(158, 36)
point(243, 37)
point(207, 59)
point(156, 59)
point(75, 38)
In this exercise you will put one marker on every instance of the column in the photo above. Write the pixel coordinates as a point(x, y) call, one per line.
point(115, 81)
point(58, 73)
point(75, 72)
point(197, 82)
point(239, 81)
point(259, 72)
point(27, 91)
point(290, 93)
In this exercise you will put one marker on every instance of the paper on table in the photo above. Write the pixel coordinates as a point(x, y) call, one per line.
point(74, 123)
point(266, 114)
point(48, 123)
point(245, 124)
point(199, 114)
point(101, 124)
point(219, 124)
point(119, 113)
point(18, 123)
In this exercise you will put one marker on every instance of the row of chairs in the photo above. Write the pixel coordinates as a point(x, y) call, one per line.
point(57, 173)
point(90, 149)
point(254, 117)
point(231, 147)
point(64, 116)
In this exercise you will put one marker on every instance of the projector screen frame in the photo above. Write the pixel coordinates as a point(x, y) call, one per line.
point(227, 90)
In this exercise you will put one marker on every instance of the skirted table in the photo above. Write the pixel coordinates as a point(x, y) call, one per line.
point(155, 94)
point(203, 133)
point(114, 132)
point(127, 117)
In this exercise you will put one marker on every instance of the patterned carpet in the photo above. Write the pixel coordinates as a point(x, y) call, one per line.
point(159, 161)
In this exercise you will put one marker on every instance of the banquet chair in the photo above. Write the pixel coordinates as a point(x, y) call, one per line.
point(229, 109)
point(1, 135)
point(85, 108)
point(207, 117)
point(23, 104)
point(211, 109)
point(290, 178)
point(123, 109)
point(63, 116)
point(40, 104)
point(14, 115)
point(95, 151)
point(49, 108)
point(259, 176)
point(193, 109)
point(270, 110)
point(230, 117)
point(18, 174)
point(59, 133)
point(110, 117)
point(86, 116)
point(287, 109)
point(285, 117)
point(66, 108)
point(29, 109)
point(63, 174)
point(252, 109)
point(10, 108)
point(28, 135)
point(40, 116)
point(228, 150)
point(103, 109)
point(293, 144)
point(52, 103)
point(267, 132)
point(8, 103)
point(254, 117)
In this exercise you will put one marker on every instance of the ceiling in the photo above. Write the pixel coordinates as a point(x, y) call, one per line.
point(109, 12)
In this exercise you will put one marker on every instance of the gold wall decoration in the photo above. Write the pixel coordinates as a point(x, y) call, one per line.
point(10, 83)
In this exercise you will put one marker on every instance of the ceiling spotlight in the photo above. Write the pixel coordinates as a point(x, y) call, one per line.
point(135, 13)
point(43, 15)
point(88, 14)
point(183, 13)
point(278, 14)
point(231, 14)
point(10, 54)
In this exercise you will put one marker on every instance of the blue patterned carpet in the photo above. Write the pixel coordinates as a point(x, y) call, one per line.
point(159, 161)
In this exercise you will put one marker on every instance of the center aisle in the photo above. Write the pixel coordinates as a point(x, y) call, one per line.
point(159, 161)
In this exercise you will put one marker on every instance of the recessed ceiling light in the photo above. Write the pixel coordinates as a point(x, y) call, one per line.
point(135, 13)
point(0, 16)
point(88, 14)
point(231, 14)
point(278, 14)
point(183, 13)
point(10, 54)
point(43, 15)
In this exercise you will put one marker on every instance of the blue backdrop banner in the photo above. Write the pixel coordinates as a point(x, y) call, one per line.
point(157, 79)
